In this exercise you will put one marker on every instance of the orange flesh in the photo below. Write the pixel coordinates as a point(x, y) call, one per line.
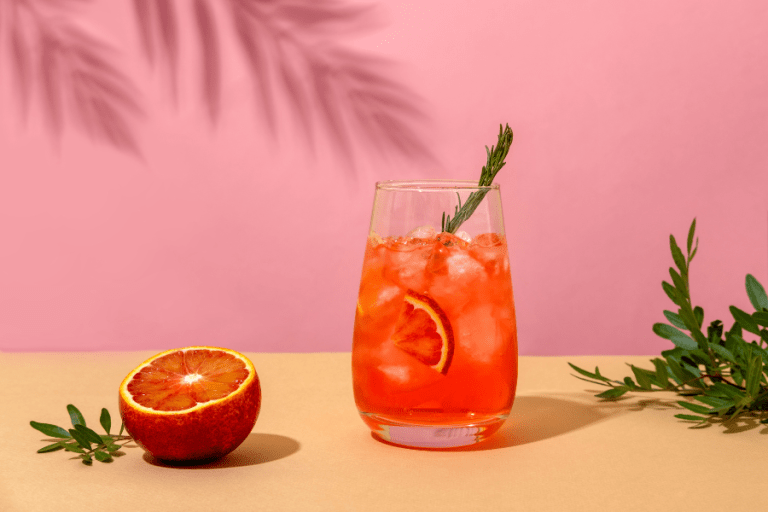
point(181, 380)
point(417, 335)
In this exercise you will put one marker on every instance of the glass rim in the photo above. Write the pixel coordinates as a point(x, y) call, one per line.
point(433, 184)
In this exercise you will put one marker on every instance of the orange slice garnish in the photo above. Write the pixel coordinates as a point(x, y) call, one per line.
point(423, 331)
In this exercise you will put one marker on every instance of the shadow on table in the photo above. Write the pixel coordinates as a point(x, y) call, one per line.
point(256, 449)
point(535, 418)
point(755, 420)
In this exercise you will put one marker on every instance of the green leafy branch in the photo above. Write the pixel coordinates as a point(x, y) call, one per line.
point(495, 161)
point(726, 374)
point(83, 441)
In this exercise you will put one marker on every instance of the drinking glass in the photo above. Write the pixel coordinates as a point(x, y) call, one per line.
point(434, 353)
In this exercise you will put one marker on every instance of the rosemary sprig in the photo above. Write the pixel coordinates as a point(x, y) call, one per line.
point(724, 373)
point(83, 441)
point(495, 161)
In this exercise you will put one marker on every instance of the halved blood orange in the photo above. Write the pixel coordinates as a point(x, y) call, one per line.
point(423, 331)
point(191, 404)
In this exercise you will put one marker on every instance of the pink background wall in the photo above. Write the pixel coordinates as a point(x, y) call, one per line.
point(149, 199)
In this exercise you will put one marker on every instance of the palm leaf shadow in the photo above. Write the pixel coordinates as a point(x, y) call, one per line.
point(292, 54)
point(291, 49)
point(348, 94)
point(72, 72)
point(211, 62)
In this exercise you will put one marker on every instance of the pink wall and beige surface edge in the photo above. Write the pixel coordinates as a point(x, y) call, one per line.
point(180, 173)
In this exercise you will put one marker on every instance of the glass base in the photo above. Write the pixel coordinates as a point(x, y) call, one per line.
point(431, 436)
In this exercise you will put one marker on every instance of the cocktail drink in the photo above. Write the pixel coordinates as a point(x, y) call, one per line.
point(434, 357)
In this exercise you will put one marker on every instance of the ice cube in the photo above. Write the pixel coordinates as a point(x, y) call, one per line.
point(403, 373)
point(462, 265)
point(464, 236)
point(456, 276)
point(479, 333)
point(375, 239)
point(488, 240)
point(422, 232)
point(397, 374)
point(407, 268)
point(491, 251)
point(387, 294)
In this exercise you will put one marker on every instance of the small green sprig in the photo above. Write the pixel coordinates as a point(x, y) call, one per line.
point(495, 161)
point(83, 441)
point(726, 374)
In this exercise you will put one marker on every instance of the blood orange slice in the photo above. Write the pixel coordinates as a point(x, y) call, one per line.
point(423, 331)
point(193, 403)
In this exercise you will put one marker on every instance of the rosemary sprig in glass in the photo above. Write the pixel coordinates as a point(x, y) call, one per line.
point(495, 161)
point(722, 371)
point(83, 441)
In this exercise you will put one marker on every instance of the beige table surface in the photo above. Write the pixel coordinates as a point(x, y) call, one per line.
point(561, 448)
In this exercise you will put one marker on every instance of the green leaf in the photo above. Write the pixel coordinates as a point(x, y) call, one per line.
point(676, 336)
point(50, 430)
point(700, 357)
point(692, 369)
point(80, 438)
point(102, 456)
point(715, 332)
point(691, 232)
point(105, 420)
point(754, 372)
point(87, 459)
point(761, 318)
point(111, 447)
point(699, 409)
point(698, 313)
point(595, 375)
point(674, 319)
point(715, 402)
point(72, 447)
point(75, 416)
point(677, 280)
point(735, 329)
point(727, 391)
point(613, 392)
point(745, 320)
point(723, 352)
point(678, 373)
point(643, 380)
point(89, 434)
point(51, 447)
point(756, 293)
point(693, 326)
point(672, 293)
point(761, 351)
point(661, 373)
point(690, 258)
point(677, 254)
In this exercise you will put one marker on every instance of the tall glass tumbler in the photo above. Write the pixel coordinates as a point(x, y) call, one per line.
point(434, 354)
